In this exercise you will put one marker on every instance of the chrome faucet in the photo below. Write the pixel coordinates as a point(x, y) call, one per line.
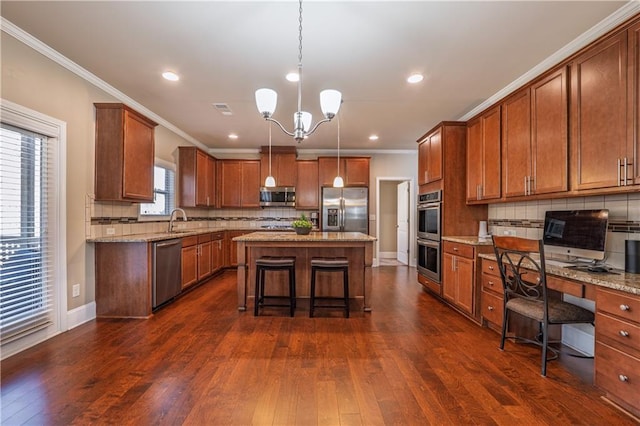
point(184, 216)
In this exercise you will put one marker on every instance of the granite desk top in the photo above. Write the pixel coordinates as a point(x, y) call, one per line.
point(312, 237)
point(615, 279)
point(474, 241)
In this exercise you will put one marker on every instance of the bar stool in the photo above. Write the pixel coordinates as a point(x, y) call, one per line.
point(330, 264)
point(267, 263)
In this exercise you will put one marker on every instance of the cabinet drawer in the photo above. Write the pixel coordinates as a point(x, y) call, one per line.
point(463, 250)
point(618, 333)
point(565, 286)
point(190, 241)
point(492, 308)
point(490, 267)
point(618, 304)
point(217, 236)
point(204, 238)
point(492, 283)
point(618, 374)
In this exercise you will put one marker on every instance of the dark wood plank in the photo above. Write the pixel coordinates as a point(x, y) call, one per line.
point(199, 361)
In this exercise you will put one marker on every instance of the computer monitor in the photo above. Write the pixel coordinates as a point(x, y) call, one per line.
point(576, 233)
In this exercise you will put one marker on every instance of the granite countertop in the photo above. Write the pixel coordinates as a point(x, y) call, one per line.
point(474, 241)
point(154, 236)
point(313, 237)
point(616, 279)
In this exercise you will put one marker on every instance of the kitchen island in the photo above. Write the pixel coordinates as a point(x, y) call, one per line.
point(355, 246)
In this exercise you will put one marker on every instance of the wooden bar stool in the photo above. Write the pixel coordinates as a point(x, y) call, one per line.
point(265, 264)
point(330, 264)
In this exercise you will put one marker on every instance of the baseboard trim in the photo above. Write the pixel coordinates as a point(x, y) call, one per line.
point(388, 255)
point(80, 315)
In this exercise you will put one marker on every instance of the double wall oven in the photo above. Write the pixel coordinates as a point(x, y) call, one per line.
point(429, 234)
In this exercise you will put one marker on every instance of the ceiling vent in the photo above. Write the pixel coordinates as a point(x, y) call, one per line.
point(223, 109)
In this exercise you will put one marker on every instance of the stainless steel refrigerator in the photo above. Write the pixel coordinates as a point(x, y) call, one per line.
point(345, 209)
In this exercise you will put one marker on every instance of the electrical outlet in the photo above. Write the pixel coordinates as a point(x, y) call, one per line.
point(510, 232)
point(76, 290)
point(111, 231)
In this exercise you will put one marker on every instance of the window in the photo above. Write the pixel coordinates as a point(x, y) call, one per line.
point(26, 249)
point(163, 193)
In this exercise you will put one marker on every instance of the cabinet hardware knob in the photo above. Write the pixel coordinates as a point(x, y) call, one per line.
point(623, 333)
point(455, 249)
point(623, 378)
point(491, 308)
point(624, 307)
point(491, 283)
point(491, 268)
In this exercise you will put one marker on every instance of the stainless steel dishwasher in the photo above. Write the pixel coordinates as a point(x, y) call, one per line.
point(167, 270)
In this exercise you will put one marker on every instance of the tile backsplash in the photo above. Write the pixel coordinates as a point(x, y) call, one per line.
point(526, 219)
point(104, 218)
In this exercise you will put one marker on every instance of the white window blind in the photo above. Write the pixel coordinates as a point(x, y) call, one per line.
point(26, 246)
point(163, 193)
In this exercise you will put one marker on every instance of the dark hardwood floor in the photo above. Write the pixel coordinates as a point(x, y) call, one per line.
point(199, 361)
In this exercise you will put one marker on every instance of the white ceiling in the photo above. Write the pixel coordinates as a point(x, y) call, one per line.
point(223, 51)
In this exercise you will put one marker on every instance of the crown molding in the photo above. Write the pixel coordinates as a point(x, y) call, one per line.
point(601, 28)
point(19, 34)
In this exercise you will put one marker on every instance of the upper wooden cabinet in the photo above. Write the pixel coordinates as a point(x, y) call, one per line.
point(483, 156)
point(196, 178)
point(534, 138)
point(283, 165)
point(633, 129)
point(354, 170)
point(599, 126)
point(124, 158)
point(239, 183)
point(307, 192)
point(430, 157)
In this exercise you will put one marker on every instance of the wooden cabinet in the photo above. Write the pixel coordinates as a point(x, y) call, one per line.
point(492, 299)
point(483, 157)
point(534, 138)
point(632, 160)
point(599, 115)
point(196, 178)
point(124, 158)
point(231, 250)
point(283, 165)
point(617, 351)
point(189, 261)
point(430, 157)
point(458, 276)
point(239, 183)
point(204, 256)
point(307, 191)
point(217, 251)
point(354, 170)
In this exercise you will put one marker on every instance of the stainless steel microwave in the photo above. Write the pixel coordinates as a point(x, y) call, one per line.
point(278, 196)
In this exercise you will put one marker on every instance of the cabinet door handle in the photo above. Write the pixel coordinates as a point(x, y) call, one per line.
point(623, 333)
point(623, 378)
point(624, 308)
point(491, 268)
point(619, 172)
point(526, 184)
point(490, 308)
point(626, 176)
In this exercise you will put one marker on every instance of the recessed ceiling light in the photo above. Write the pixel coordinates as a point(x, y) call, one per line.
point(293, 76)
point(373, 137)
point(415, 78)
point(171, 76)
point(233, 136)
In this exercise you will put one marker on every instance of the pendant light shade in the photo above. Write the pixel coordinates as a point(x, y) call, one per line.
point(270, 182)
point(330, 101)
point(338, 182)
point(266, 101)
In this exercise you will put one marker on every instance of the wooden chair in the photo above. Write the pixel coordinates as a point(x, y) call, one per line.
point(522, 268)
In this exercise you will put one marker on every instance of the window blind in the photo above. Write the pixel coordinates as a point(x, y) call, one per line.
point(26, 246)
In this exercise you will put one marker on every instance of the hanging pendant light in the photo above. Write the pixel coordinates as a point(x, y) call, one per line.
point(330, 100)
point(270, 182)
point(338, 182)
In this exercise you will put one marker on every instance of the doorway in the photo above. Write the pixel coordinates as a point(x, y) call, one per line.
point(394, 224)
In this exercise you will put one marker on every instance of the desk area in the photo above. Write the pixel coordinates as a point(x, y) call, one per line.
point(617, 329)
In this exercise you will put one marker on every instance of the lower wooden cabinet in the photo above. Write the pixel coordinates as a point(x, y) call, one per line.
point(231, 251)
point(189, 261)
point(617, 357)
point(202, 256)
point(492, 299)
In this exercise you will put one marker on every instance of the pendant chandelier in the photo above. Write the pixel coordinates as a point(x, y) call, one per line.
point(330, 100)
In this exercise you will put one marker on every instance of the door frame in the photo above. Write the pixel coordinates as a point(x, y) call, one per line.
point(412, 217)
